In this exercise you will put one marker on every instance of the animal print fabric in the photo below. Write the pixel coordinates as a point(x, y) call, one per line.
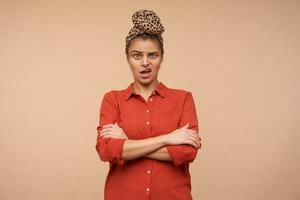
point(145, 21)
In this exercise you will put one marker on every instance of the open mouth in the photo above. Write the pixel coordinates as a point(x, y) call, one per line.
point(146, 71)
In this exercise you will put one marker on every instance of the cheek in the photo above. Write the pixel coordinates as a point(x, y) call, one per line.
point(156, 67)
point(135, 72)
point(157, 63)
point(134, 67)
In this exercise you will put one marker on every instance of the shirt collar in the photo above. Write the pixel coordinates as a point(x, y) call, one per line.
point(160, 89)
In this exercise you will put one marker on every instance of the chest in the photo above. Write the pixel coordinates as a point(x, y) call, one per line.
point(143, 118)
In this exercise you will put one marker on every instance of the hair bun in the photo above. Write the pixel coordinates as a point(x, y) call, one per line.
point(147, 21)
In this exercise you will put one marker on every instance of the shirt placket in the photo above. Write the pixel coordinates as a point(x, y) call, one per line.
point(148, 170)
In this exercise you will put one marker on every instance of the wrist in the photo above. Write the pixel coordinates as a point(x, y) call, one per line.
point(163, 139)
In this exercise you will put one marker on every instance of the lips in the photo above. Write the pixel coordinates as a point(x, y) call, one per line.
point(146, 71)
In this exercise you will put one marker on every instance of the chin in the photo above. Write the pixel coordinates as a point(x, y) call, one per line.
point(145, 81)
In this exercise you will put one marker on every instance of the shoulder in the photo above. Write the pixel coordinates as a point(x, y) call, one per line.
point(114, 94)
point(181, 97)
point(178, 92)
point(111, 92)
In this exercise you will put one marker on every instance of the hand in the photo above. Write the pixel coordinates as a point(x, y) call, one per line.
point(112, 131)
point(184, 136)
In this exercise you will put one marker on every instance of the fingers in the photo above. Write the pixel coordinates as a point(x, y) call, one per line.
point(109, 131)
point(193, 137)
point(196, 143)
point(105, 131)
point(194, 140)
point(105, 134)
point(110, 125)
point(193, 143)
point(193, 133)
point(107, 125)
point(108, 134)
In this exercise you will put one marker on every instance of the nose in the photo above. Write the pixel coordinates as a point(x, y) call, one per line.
point(145, 61)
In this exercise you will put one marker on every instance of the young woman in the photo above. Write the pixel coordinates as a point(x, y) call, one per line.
point(147, 132)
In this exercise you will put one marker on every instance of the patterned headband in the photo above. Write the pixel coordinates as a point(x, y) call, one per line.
point(145, 21)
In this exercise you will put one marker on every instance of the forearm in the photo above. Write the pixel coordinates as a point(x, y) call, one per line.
point(133, 149)
point(160, 154)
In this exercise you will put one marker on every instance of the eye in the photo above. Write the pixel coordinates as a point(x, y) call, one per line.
point(136, 56)
point(153, 55)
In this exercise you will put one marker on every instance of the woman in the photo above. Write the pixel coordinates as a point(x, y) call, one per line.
point(148, 131)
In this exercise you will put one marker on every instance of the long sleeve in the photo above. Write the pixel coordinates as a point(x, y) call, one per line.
point(165, 110)
point(186, 153)
point(109, 149)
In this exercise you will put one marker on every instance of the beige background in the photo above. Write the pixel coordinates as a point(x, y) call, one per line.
point(240, 59)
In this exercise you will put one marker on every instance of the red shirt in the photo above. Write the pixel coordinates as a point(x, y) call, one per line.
point(144, 178)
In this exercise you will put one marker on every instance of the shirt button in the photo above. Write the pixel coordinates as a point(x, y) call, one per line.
point(147, 111)
point(147, 123)
point(150, 99)
point(148, 171)
point(153, 92)
point(147, 189)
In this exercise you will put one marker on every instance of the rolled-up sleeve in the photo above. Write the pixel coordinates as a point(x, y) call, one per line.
point(186, 153)
point(109, 149)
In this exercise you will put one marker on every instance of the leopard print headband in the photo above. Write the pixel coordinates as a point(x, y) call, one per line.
point(145, 21)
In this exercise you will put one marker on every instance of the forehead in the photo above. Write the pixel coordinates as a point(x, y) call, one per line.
point(141, 45)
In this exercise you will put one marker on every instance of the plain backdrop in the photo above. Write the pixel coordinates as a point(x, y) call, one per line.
point(240, 60)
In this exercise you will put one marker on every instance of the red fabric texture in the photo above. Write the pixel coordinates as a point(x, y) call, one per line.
point(164, 111)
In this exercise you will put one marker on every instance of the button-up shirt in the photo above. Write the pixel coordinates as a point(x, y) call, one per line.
point(165, 110)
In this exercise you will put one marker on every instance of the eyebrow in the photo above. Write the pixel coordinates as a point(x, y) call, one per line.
point(141, 52)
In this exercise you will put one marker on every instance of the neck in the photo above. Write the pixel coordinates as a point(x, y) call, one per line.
point(144, 89)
